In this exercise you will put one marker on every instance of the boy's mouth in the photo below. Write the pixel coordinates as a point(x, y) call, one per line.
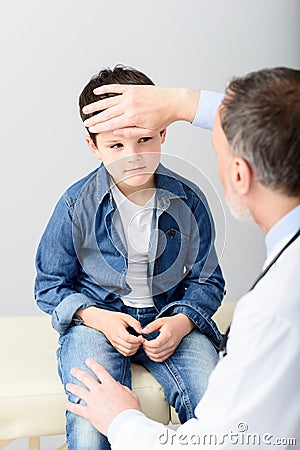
point(135, 169)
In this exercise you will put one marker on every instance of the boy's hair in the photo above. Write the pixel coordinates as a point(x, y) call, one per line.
point(118, 75)
point(261, 120)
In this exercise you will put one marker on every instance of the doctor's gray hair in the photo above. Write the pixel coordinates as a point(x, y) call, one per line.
point(260, 116)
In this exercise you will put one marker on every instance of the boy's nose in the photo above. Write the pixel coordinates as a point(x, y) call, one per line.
point(133, 155)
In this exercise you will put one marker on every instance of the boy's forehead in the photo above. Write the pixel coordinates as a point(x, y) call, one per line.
point(107, 136)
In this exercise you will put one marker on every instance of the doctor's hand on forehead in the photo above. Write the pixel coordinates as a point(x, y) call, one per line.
point(140, 110)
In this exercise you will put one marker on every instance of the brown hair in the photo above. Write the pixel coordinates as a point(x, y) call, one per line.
point(118, 75)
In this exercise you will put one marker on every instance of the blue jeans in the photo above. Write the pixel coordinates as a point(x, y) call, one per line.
point(184, 375)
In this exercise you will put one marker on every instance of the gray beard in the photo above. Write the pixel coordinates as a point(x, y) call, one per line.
point(237, 208)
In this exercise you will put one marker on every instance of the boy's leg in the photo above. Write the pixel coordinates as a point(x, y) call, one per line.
point(184, 376)
point(78, 344)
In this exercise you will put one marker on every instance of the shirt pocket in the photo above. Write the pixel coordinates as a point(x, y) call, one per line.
point(171, 255)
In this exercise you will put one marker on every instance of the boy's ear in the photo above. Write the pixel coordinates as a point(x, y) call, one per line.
point(163, 134)
point(93, 147)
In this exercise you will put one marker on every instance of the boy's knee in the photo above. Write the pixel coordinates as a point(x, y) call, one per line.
point(82, 435)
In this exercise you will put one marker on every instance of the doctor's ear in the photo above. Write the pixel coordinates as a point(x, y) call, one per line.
point(241, 175)
point(93, 147)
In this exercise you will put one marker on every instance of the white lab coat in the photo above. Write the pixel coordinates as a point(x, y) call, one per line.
point(253, 396)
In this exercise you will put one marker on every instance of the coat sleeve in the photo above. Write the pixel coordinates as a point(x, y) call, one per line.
point(208, 104)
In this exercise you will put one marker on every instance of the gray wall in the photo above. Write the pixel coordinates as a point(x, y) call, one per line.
point(49, 50)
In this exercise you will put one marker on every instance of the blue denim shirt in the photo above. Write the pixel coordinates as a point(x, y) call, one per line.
point(82, 256)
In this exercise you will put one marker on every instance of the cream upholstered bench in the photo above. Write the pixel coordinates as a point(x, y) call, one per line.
point(32, 400)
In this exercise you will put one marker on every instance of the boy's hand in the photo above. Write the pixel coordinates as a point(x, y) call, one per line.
point(172, 330)
point(114, 325)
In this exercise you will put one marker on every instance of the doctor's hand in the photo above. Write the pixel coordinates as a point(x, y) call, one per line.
point(171, 331)
point(140, 110)
point(104, 400)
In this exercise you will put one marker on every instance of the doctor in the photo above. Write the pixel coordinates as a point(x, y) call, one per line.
point(253, 396)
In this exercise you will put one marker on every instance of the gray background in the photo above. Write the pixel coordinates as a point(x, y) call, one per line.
point(50, 49)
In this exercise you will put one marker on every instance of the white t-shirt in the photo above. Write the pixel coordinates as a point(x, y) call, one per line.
point(136, 220)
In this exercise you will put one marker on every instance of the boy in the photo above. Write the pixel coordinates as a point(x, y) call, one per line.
point(128, 270)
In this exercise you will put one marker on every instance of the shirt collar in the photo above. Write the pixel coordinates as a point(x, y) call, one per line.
point(103, 182)
point(283, 230)
point(166, 183)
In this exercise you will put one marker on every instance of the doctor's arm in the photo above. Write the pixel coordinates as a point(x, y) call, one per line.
point(243, 394)
point(140, 110)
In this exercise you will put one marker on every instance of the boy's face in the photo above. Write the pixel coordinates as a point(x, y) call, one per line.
point(130, 161)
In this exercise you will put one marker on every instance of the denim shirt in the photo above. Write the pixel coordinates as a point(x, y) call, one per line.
point(82, 256)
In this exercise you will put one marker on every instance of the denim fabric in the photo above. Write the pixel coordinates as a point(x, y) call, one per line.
point(82, 257)
point(184, 375)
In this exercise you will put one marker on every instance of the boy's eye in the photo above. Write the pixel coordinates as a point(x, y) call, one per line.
point(116, 146)
point(145, 139)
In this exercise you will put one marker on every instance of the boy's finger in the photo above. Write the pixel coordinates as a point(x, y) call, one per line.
point(135, 324)
point(129, 340)
point(158, 357)
point(154, 344)
point(152, 326)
